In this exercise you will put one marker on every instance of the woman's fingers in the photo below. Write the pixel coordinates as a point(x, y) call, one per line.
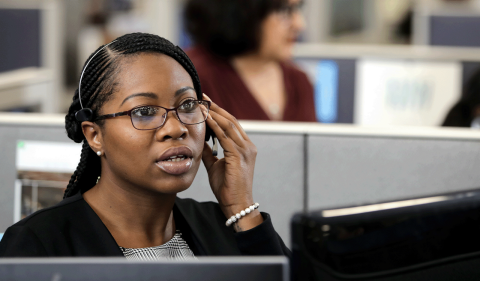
point(227, 143)
point(229, 128)
point(215, 108)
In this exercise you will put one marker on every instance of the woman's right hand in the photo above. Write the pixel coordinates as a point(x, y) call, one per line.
point(231, 178)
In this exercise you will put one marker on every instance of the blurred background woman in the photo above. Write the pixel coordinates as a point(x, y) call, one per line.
point(242, 51)
point(466, 112)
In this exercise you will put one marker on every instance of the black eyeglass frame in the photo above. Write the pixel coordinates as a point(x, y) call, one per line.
point(290, 9)
point(129, 113)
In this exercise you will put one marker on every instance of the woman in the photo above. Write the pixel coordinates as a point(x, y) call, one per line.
point(242, 54)
point(466, 112)
point(143, 122)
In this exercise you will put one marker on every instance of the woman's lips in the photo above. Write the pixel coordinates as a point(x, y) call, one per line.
point(175, 167)
point(176, 160)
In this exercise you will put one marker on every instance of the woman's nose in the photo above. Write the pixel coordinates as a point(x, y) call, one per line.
point(172, 128)
point(298, 21)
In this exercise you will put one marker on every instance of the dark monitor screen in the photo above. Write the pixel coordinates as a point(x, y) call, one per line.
point(455, 31)
point(20, 30)
point(419, 239)
point(210, 268)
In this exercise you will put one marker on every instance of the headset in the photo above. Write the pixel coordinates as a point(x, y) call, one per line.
point(86, 114)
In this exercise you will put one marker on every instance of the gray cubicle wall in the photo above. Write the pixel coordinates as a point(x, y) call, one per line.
point(357, 169)
point(347, 165)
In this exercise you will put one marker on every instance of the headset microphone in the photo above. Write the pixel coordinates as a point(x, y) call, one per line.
point(215, 146)
point(86, 114)
point(209, 133)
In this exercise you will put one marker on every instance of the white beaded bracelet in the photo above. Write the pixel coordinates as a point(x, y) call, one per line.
point(242, 213)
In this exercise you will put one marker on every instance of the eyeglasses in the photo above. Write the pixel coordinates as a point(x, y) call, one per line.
point(149, 117)
point(288, 10)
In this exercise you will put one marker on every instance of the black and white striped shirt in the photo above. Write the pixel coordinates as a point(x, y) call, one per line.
point(175, 249)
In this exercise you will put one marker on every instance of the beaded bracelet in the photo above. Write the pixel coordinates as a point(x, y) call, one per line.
point(242, 213)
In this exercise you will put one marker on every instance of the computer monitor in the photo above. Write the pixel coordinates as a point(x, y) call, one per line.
point(22, 28)
point(118, 269)
point(434, 238)
point(454, 30)
point(31, 63)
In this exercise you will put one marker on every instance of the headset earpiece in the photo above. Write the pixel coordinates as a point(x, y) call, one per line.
point(84, 114)
point(209, 133)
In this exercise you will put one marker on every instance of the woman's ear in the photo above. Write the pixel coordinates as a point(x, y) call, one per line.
point(93, 135)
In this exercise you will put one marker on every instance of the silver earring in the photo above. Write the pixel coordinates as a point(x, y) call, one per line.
point(99, 153)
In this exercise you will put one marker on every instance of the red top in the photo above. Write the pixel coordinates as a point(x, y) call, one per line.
point(224, 86)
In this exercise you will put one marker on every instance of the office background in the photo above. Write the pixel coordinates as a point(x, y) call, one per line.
point(381, 92)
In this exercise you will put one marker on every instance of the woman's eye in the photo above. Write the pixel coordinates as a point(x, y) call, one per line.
point(145, 111)
point(188, 106)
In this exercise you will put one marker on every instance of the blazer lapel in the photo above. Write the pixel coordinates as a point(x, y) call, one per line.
point(204, 228)
point(91, 236)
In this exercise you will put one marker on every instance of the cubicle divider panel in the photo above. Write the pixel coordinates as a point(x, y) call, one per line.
point(8, 174)
point(353, 170)
point(278, 179)
point(10, 135)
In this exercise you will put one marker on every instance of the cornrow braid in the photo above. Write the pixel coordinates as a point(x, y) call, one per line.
point(89, 167)
point(98, 85)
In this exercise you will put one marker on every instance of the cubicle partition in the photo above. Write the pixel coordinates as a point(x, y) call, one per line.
point(362, 166)
point(300, 166)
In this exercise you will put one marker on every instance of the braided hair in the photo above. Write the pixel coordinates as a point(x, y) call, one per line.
point(98, 85)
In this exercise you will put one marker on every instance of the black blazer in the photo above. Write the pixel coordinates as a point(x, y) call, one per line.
point(72, 228)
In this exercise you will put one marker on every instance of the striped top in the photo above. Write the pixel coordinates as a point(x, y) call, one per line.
point(175, 249)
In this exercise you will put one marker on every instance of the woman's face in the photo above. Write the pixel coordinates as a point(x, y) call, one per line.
point(279, 32)
point(136, 159)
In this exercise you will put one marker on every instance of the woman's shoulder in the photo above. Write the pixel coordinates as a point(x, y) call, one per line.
point(458, 116)
point(54, 215)
point(44, 232)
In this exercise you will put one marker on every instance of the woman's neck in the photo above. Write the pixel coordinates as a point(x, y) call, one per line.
point(134, 217)
point(253, 63)
point(265, 81)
